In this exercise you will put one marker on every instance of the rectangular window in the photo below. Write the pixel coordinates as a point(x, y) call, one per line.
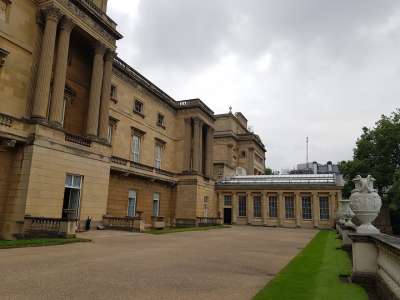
point(136, 141)
point(257, 206)
point(156, 204)
point(72, 196)
point(138, 107)
point(273, 206)
point(113, 92)
point(324, 208)
point(160, 120)
point(157, 155)
point(4, 10)
point(242, 206)
point(228, 200)
point(306, 207)
point(131, 203)
point(289, 207)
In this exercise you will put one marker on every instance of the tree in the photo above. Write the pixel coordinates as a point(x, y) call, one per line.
point(268, 171)
point(377, 153)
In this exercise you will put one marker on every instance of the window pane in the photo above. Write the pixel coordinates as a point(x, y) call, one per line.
point(228, 200)
point(289, 207)
point(242, 206)
point(324, 208)
point(68, 181)
point(136, 148)
point(156, 204)
point(306, 207)
point(131, 203)
point(257, 206)
point(273, 207)
point(76, 181)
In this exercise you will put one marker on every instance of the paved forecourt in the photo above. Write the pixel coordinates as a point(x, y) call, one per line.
point(232, 263)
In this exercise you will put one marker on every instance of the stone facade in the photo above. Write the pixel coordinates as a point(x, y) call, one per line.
point(84, 134)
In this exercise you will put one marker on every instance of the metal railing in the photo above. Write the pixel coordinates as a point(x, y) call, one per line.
point(78, 139)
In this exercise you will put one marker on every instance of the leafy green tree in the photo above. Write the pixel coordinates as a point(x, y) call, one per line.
point(377, 153)
point(268, 171)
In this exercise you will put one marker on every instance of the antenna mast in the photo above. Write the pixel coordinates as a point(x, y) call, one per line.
point(307, 151)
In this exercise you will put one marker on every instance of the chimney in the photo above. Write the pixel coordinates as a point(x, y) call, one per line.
point(330, 168)
point(315, 167)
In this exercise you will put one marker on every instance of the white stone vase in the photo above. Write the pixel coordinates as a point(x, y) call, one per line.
point(365, 203)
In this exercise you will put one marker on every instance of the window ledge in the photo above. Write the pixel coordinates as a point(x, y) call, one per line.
point(139, 113)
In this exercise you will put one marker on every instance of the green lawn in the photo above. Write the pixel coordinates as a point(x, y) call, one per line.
point(314, 274)
point(182, 229)
point(5, 244)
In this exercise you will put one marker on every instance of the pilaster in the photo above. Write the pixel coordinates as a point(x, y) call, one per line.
point(315, 202)
point(235, 208)
point(196, 145)
point(297, 201)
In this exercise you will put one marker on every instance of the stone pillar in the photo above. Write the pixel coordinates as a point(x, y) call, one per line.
point(95, 92)
point(235, 208)
point(250, 162)
point(264, 208)
point(105, 95)
point(42, 90)
point(201, 152)
point(210, 152)
point(315, 208)
point(250, 208)
point(281, 209)
point(187, 144)
point(60, 72)
point(297, 201)
point(196, 145)
point(332, 208)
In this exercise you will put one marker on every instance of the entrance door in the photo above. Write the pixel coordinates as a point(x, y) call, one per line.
point(72, 197)
point(227, 215)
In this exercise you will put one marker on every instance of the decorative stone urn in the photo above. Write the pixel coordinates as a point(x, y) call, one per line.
point(365, 203)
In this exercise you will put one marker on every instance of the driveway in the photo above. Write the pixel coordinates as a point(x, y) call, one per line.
point(232, 263)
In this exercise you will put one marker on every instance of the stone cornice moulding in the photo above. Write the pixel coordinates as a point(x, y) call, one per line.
point(81, 19)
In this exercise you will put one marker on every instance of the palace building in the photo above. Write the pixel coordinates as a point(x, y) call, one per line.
point(84, 135)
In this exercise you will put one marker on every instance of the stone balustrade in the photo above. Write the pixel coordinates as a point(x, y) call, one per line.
point(48, 227)
point(124, 223)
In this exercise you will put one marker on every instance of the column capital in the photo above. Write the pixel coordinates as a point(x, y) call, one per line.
point(110, 55)
point(52, 14)
point(67, 24)
point(99, 49)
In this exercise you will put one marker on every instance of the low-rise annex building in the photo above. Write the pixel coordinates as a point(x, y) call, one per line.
point(308, 201)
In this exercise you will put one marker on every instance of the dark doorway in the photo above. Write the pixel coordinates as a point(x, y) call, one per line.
point(227, 215)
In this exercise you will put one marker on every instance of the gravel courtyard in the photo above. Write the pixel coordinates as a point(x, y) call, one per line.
point(232, 263)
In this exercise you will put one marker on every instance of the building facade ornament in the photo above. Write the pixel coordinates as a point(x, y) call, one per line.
point(365, 203)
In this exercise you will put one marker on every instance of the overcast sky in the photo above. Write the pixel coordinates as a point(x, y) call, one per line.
point(317, 68)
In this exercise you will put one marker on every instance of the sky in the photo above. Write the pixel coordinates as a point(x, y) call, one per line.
point(317, 68)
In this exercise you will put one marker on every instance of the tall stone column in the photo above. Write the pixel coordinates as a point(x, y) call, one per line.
point(105, 95)
point(209, 151)
point(95, 92)
point(196, 145)
point(235, 208)
point(42, 90)
point(201, 152)
point(60, 73)
point(281, 209)
point(332, 208)
point(297, 201)
point(250, 208)
point(250, 162)
point(187, 144)
point(264, 208)
point(315, 201)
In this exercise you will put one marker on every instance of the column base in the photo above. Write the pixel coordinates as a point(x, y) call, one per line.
point(39, 120)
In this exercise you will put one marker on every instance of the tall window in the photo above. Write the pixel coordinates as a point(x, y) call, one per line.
point(113, 92)
point(136, 141)
point(138, 107)
point(273, 206)
point(109, 133)
point(131, 203)
point(242, 206)
point(324, 208)
point(156, 204)
point(72, 196)
point(227, 200)
point(289, 207)
point(306, 207)
point(157, 155)
point(160, 120)
point(257, 206)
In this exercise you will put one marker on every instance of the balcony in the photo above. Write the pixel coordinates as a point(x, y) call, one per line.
point(80, 140)
point(143, 169)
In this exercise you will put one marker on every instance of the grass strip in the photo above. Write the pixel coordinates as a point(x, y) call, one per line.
point(314, 274)
point(40, 242)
